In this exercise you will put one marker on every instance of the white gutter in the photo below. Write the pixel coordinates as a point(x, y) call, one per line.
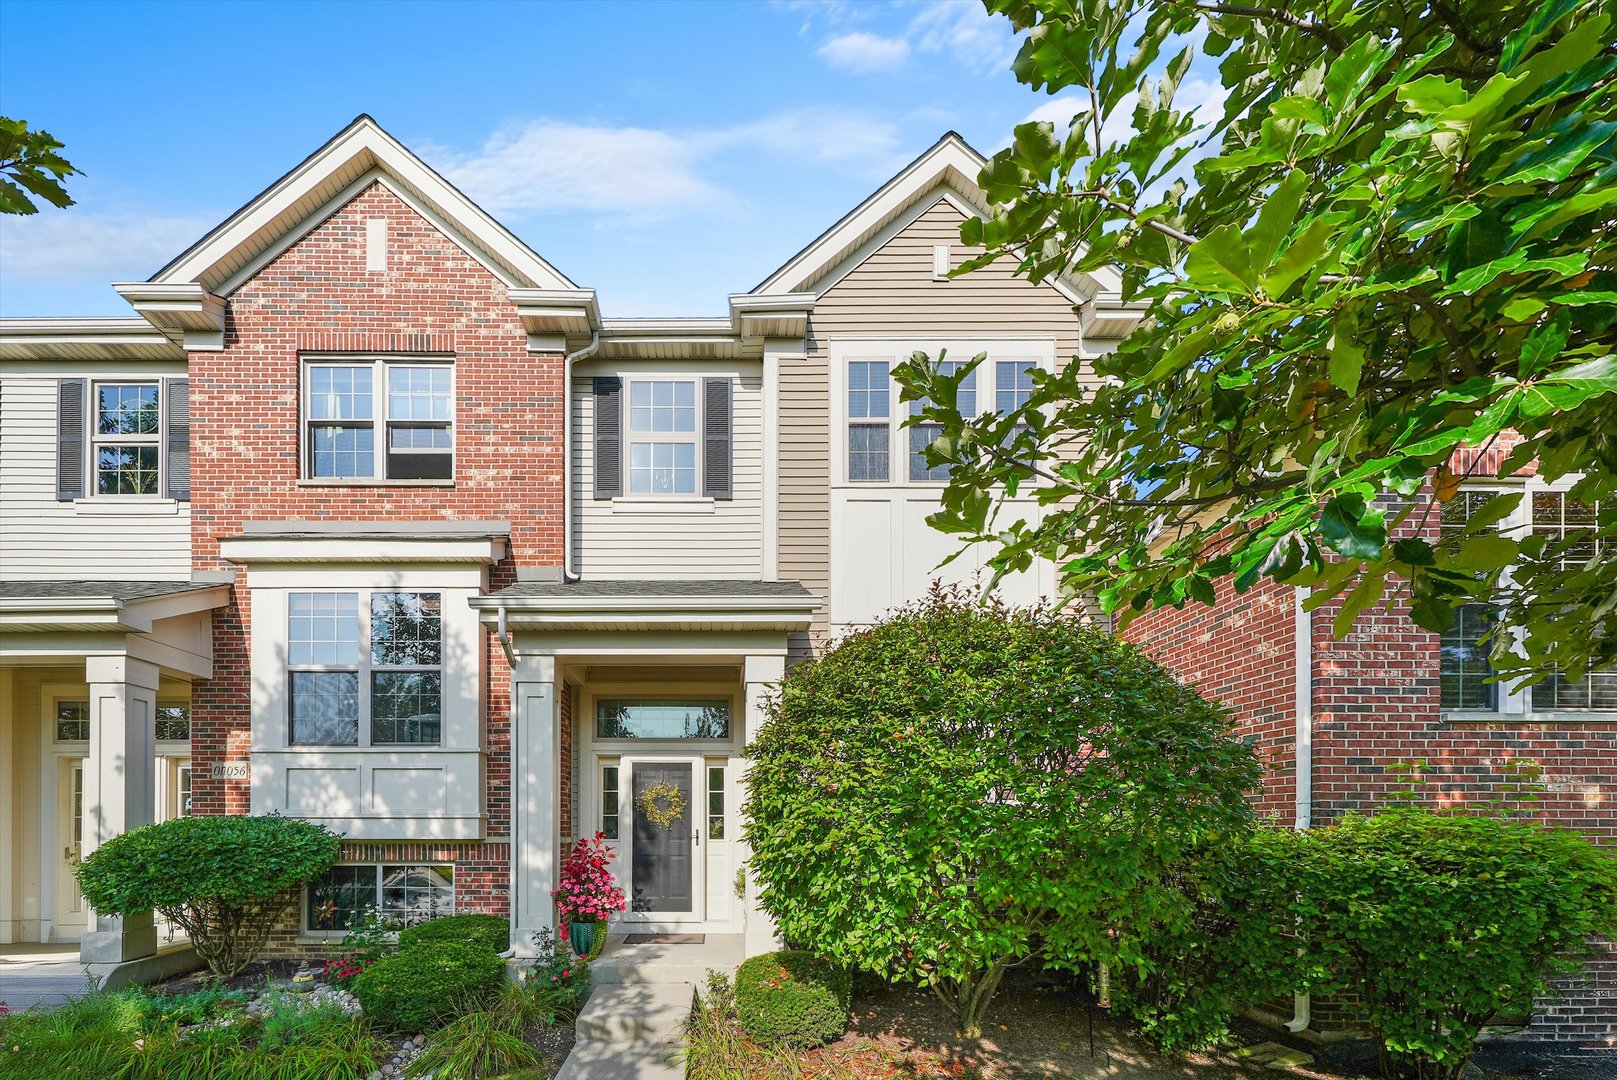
point(567, 571)
point(1303, 707)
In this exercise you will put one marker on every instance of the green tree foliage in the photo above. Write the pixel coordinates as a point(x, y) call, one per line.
point(30, 164)
point(962, 785)
point(1402, 242)
point(1438, 923)
point(224, 880)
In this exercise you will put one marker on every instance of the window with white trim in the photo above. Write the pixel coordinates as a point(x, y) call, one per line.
point(127, 438)
point(379, 419)
point(923, 435)
point(662, 437)
point(870, 435)
point(1466, 665)
point(402, 893)
point(389, 692)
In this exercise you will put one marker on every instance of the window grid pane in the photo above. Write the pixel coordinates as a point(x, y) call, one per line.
point(340, 393)
point(923, 435)
point(662, 468)
point(1571, 528)
point(174, 722)
point(325, 708)
point(609, 801)
point(405, 706)
point(868, 448)
point(868, 390)
point(657, 406)
point(418, 392)
point(127, 409)
point(72, 721)
point(406, 629)
point(414, 894)
point(344, 451)
point(126, 470)
point(1465, 664)
point(340, 900)
point(715, 803)
point(1013, 384)
point(323, 629)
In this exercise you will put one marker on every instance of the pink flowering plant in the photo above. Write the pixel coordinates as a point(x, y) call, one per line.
point(588, 892)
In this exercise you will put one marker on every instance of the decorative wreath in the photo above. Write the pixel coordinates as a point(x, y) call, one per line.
point(662, 805)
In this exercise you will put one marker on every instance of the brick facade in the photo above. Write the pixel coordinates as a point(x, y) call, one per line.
point(318, 297)
point(1375, 703)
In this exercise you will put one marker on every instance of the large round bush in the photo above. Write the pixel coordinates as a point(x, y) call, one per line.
point(490, 932)
point(418, 988)
point(225, 880)
point(1436, 923)
point(940, 793)
point(792, 997)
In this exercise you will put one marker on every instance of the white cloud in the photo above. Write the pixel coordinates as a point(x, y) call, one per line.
point(823, 134)
point(966, 33)
point(862, 52)
point(552, 166)
point(79, 243)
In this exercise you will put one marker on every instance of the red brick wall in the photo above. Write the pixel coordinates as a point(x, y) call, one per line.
point(1375, 704)
point(1240, 652)
point(317, 297)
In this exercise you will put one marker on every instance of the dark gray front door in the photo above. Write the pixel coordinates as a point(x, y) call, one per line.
point(662, 855)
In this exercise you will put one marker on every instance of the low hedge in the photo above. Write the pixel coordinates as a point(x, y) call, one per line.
point(484, 931)
point(419, 988)
point(793, 997)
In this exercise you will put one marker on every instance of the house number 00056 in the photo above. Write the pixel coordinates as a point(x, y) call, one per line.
point(229, 770)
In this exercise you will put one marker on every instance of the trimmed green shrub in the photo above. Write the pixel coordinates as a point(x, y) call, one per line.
point(416, 989)
point(792, 997)
point(226, 880)
point(963, 785)
point(485, 931)
point(1438, 923)
point(1222, 943)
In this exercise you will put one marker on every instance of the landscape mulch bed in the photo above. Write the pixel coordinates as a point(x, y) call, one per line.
point(1041, 1029)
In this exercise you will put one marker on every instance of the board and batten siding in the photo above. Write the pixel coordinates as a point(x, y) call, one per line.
point(891, 293)
point(41, 538)
point(643, 538)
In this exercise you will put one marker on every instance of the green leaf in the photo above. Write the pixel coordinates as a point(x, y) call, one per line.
point(1304, 254)
point(1221, 262)
point(1352, 529)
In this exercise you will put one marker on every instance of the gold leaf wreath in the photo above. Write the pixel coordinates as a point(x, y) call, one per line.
point(661, 814)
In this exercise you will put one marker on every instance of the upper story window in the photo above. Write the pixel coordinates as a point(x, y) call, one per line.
point(389, 691)
point(379, 420)
point(1465, 663)
point(871, 426)
point(662, 437)
point(128, 430)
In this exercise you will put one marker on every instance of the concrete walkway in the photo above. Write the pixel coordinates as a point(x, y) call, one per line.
point(640, 998)
point(41, 975)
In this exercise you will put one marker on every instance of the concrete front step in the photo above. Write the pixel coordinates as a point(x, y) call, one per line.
point(622, 963)
point(611, 1061)
point(646, 1015)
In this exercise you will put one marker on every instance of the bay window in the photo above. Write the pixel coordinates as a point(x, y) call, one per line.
point(388, 692)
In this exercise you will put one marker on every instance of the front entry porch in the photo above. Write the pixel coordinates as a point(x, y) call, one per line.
point(95, 688)
point(633, 703)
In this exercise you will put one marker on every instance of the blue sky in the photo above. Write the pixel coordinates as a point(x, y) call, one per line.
point(665, 154)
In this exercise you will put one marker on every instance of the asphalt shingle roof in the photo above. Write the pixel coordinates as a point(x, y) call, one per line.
point(785, 590)
point(90, 590)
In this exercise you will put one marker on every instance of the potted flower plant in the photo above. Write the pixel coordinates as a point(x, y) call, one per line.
point(588, 895)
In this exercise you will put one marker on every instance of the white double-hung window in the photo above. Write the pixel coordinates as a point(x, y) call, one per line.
point(662, 437)
point(365, 669)
point(873, 438)
point(381, 419)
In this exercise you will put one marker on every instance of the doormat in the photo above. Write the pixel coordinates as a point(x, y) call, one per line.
point(665, 939)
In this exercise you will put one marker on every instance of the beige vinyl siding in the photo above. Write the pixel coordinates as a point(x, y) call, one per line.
point(639, 538)
point(891, 293)
point(109, 539)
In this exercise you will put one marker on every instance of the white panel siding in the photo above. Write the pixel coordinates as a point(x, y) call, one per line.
point(638, 538)
point(41, 538)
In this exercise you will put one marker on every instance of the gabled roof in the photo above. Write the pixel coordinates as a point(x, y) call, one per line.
point(947, 170)
point(358, 153)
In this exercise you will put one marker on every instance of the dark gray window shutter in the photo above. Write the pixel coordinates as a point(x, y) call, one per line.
point(717, 481)
point(608, 437)
point(70, 438)
point(177, 418)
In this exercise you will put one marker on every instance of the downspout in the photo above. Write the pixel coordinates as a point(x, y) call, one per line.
point(567, 571)
point(1303, 627)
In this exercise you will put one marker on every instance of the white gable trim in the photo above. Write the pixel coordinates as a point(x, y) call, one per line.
point(951, 165)
point(365, 141)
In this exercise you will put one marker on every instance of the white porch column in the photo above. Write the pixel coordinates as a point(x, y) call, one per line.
point(760, 675)
point(119, 779)
point(535, 797)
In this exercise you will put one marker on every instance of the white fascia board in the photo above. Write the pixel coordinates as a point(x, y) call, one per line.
point(98, 613)
point(256, 550)
point(364, 139)
point(557, 310)
point(175, 306)
point(25, 339)
point(658, 329)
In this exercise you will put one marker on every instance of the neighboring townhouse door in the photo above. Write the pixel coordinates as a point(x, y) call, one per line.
point(70, 920)
point(665, 871)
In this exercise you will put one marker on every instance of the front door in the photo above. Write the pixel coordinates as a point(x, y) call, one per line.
point(663, 869)
point(70, 914)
